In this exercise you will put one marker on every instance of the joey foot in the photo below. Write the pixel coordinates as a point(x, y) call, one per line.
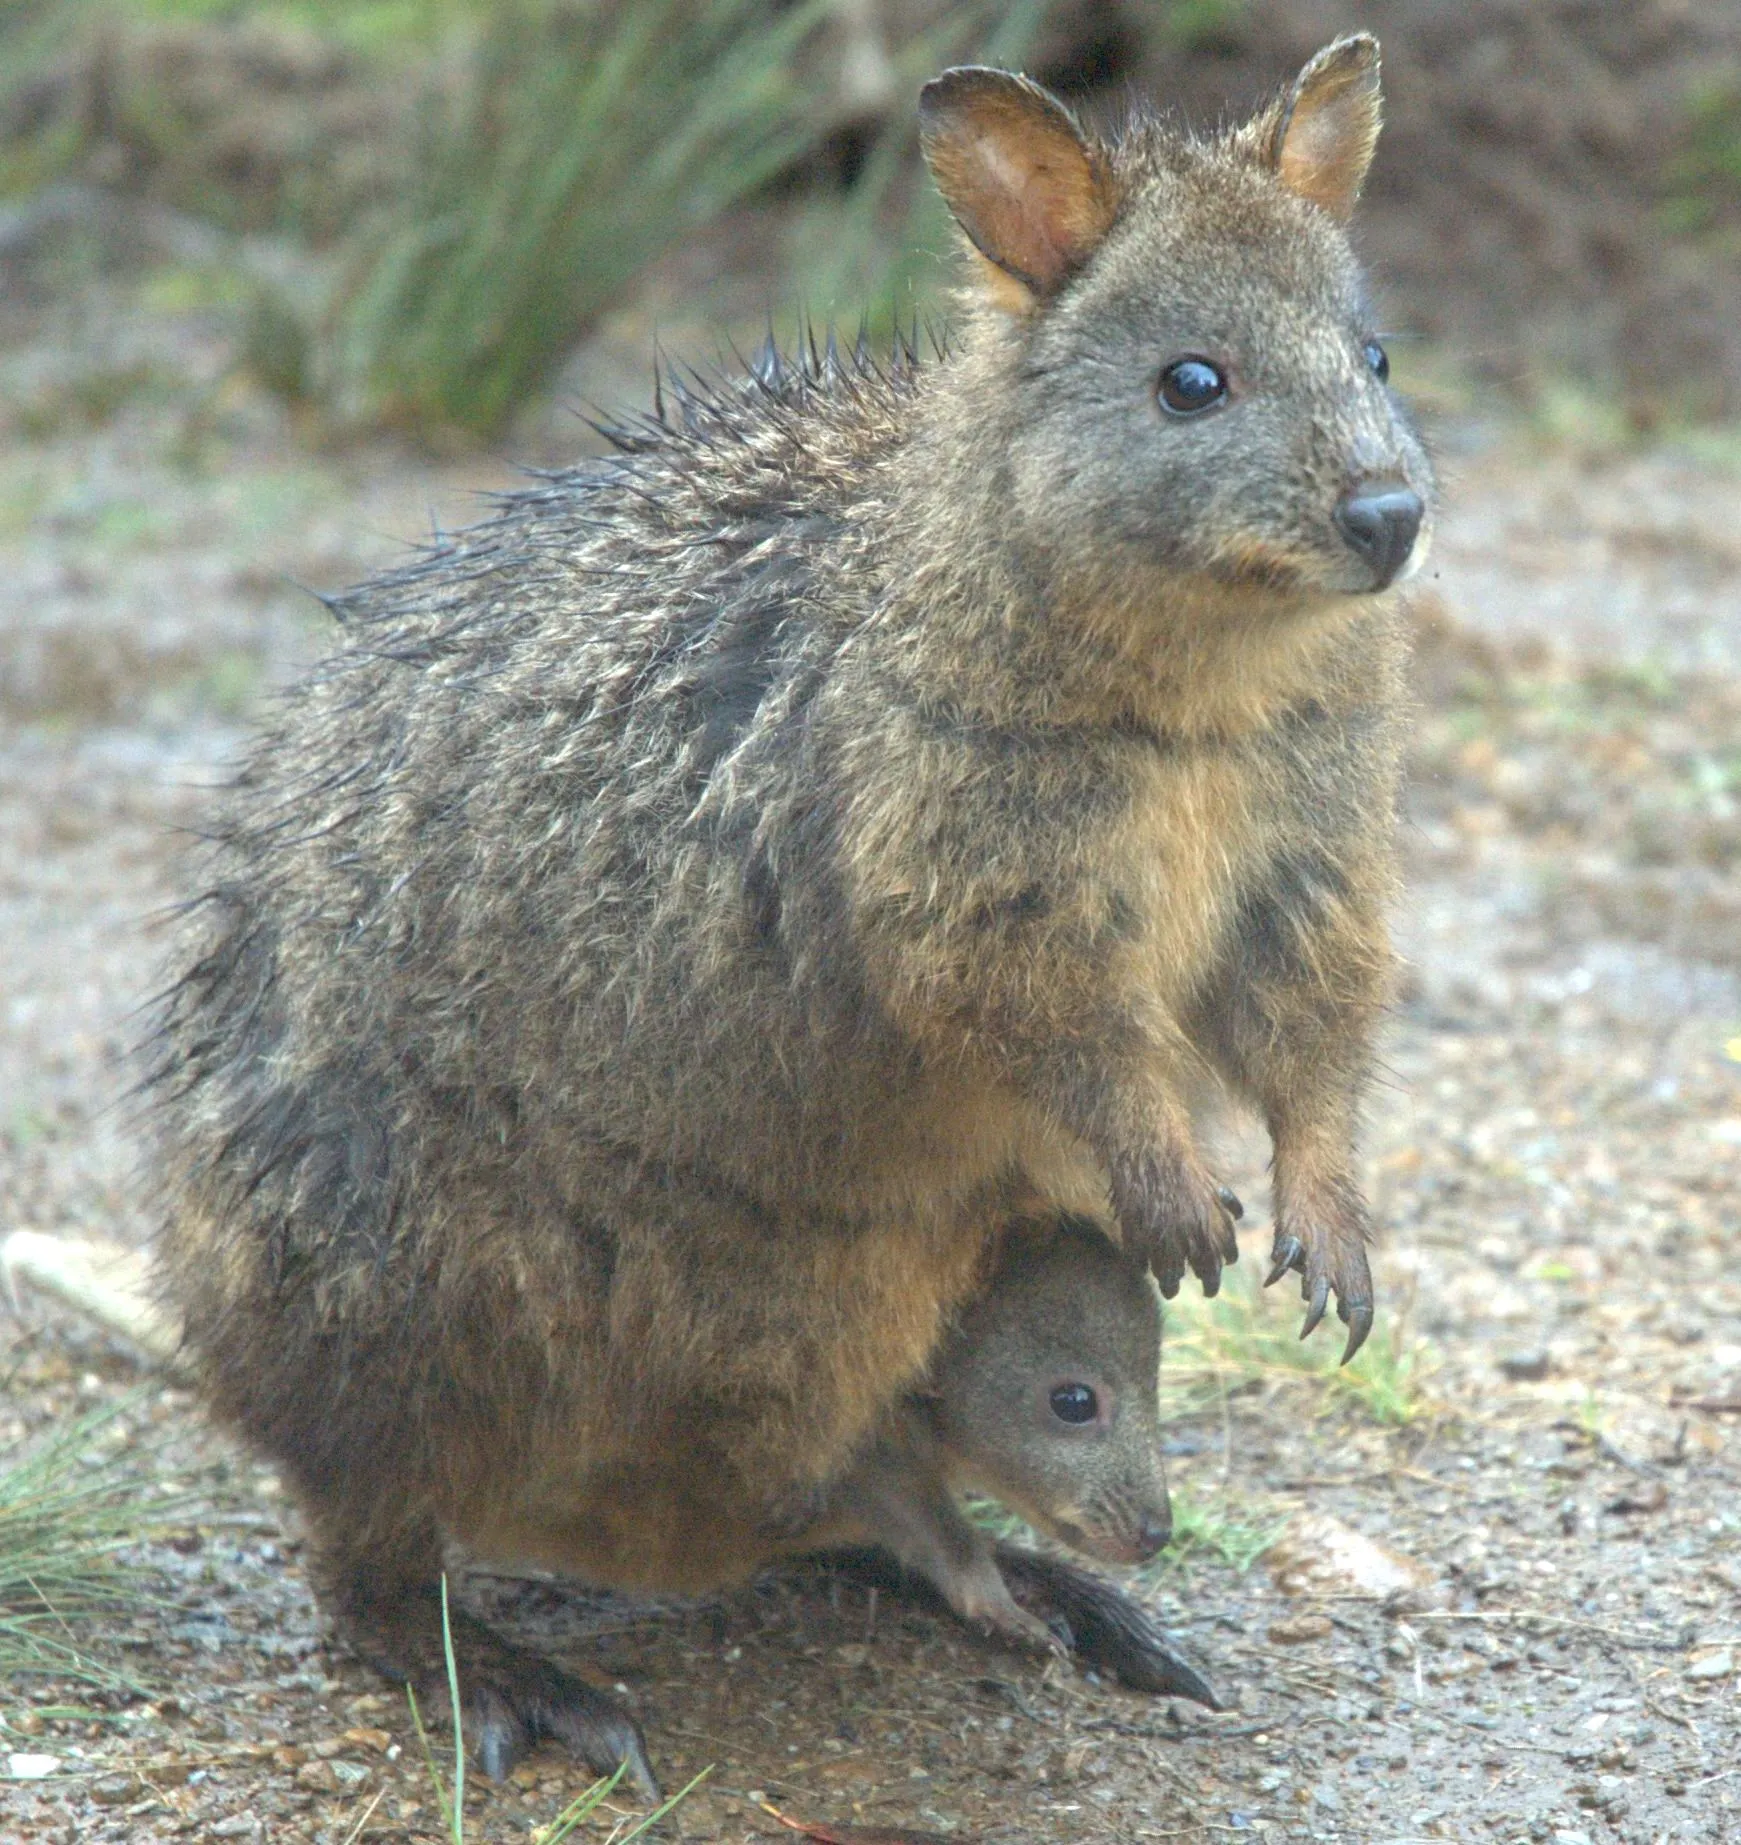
point(1327, 1261)
point(1060, 1610)
point(1107, 1627)
point(510, 1698)
point(1175, 1216)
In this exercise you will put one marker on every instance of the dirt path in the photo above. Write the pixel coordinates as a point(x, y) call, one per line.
point(1556, 1148)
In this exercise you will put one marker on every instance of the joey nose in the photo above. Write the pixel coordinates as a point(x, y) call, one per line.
point(1380, 520)
point(1152, 1533)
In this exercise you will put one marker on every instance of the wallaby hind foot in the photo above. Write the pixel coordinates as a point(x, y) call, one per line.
point(390, 1616)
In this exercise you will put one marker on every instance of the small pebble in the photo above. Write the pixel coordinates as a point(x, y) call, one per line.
point(1713, 1665)
point(1297, 1628)
point(114, 1790)
point(1526, 1367)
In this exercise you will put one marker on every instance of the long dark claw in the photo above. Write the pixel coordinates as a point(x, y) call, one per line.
point(1320, 1299)
point(602, 1734)
point(1289, 1252)
point(511, 1711)
point(1358, 1314)
point(1211, 1280)
point(640, 1771)
point(1229, 1242)
point(1169, 1275)
point(1230, 1202)
point(499, 1742)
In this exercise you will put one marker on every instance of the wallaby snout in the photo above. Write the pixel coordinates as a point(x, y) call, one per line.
point(1380, 520)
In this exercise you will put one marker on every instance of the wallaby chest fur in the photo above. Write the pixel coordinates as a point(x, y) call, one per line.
point(691, 913)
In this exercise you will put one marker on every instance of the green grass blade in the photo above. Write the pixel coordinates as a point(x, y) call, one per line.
point(458, 1726)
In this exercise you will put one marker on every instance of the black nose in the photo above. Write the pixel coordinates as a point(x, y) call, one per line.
point(1380, 521)
point(1153, 1532)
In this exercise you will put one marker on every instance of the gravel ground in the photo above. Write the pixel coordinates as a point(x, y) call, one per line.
point(1555, 1149)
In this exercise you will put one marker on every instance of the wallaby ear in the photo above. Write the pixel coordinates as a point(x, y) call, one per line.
point(1328, 125)
point(1033, 195)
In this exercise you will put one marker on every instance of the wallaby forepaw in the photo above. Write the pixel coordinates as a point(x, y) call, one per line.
point(1327, 1266)
point(1176, 1217)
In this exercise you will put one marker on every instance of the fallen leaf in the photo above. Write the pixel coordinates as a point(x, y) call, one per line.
point(1319, 1555)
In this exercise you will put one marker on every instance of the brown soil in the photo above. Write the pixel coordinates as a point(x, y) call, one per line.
point(1556, 1152)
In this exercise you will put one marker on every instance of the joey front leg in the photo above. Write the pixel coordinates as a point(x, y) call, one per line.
point(896, 1498)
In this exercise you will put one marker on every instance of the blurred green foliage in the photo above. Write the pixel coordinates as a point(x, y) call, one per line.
point(525, 163)
point(580, 143)
point(877, 249)
point(1704, 179)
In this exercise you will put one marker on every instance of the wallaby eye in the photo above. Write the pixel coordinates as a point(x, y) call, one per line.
point(1378, 359)
point(1190, 386)
point(1074, 1403)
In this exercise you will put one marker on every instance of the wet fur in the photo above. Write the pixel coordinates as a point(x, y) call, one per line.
point(693, 910)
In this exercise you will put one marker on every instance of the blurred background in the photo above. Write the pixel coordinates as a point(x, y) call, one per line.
point(438, 216)
point(284, 285)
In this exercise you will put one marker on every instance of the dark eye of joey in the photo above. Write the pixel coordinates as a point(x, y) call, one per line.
point(1188, 387)
point(1378, 359)
point(1074, 1403)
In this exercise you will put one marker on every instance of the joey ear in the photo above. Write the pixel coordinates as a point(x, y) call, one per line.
point(1033, 195)
point(1327, 125)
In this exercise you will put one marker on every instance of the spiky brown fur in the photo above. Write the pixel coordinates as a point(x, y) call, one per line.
point(695, 908)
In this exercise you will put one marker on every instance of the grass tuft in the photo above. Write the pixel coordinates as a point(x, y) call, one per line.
point(577, 143)
point(69, 1513)
point(1208, 1528)
point(1248, 1337)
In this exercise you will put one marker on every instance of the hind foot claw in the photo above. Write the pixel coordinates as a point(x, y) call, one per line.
point(510, 1698)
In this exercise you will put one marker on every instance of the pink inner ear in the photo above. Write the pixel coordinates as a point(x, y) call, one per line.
point(1312, 150)
point(1327, 141)
point(1016, 173)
